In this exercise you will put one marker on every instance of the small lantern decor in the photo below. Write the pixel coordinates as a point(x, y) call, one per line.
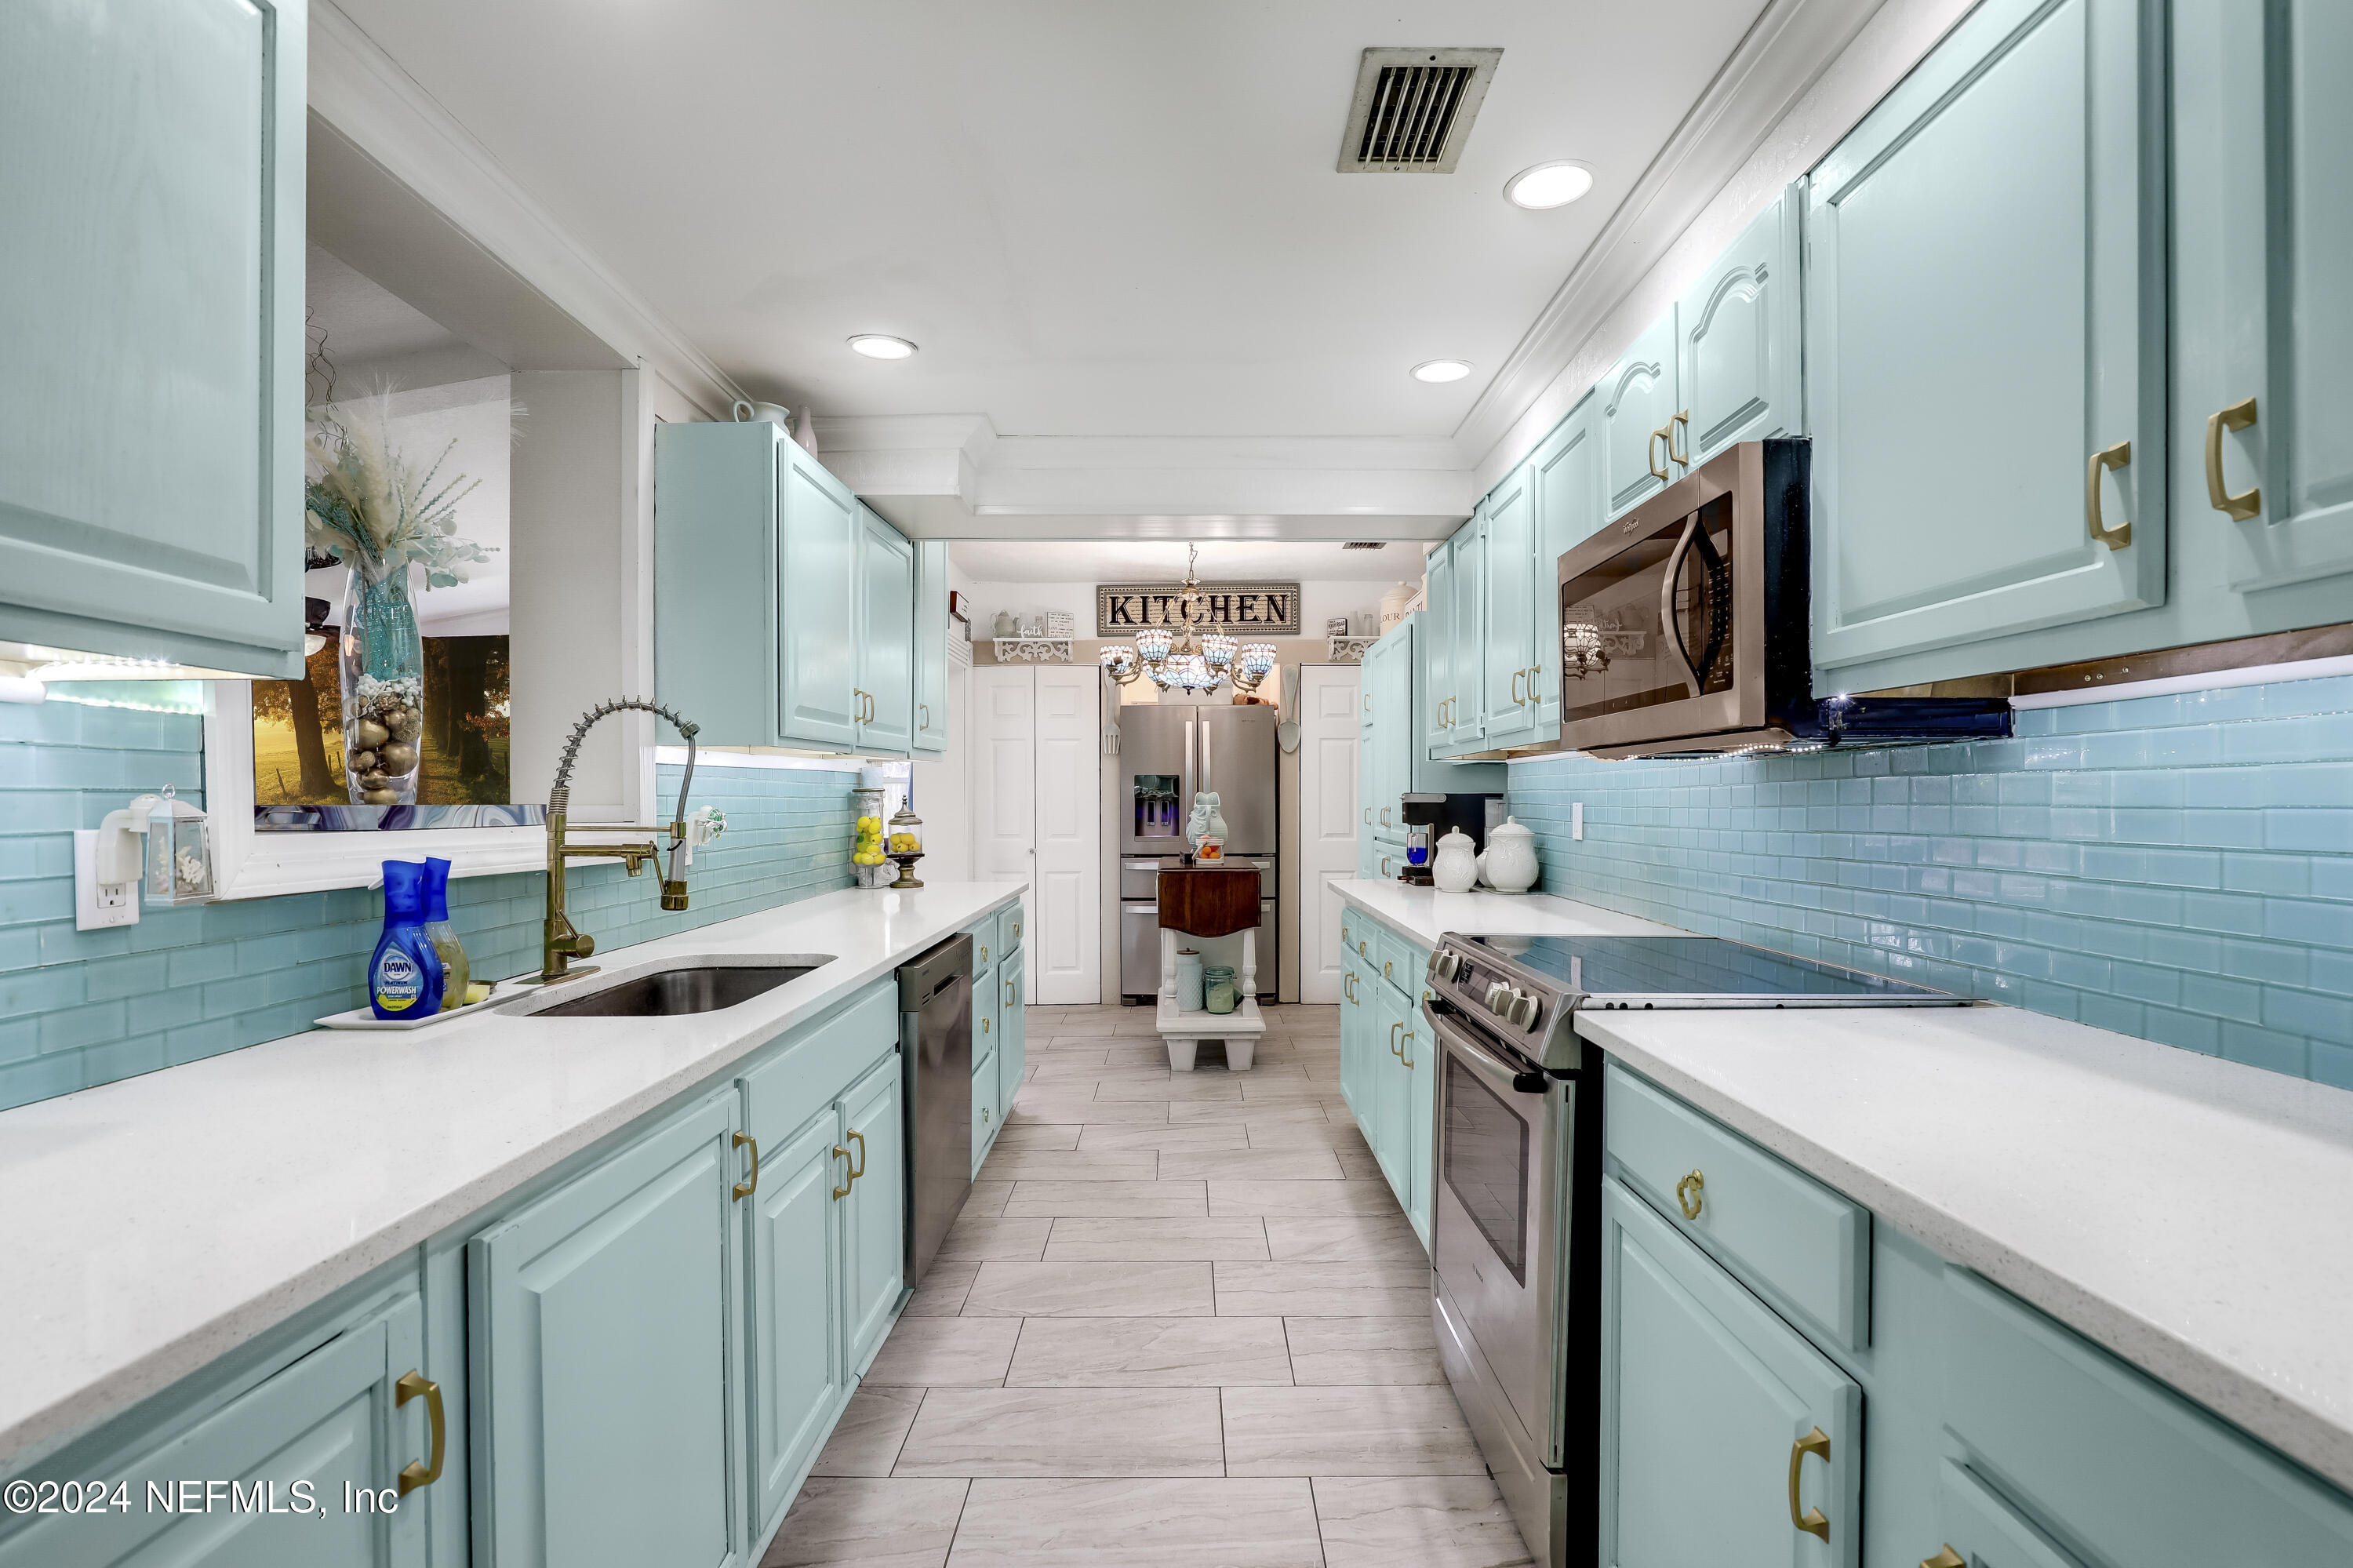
point(906, 845)
point(179, 851)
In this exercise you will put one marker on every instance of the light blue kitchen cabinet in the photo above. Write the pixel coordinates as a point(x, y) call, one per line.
point(1385, 1132)
point(1387, 1064)
point(152, 390)
point(1637, 410)
point(930, 647)
point(1012, 1024)
point(1566, 470)
point(308, 1437)
point(1466, 625)
point(2271, 330)
point(987, 1111)
point(798, 1379)
point(2054, 1438)
point(1009, 923)
point(886, 637)
point(1737, 346)
point(1435, 650)
point(1726, 1436)
point(1985, 353)
point(758, 546)
point(605, 1374)
point(820, 559)
point(1511, 666)
point(1355, 1019)
point(1422, 1058)
point(873, 1222)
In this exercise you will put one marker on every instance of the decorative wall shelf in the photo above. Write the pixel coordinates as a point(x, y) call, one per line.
point(1347, 649)
point(1032, 649)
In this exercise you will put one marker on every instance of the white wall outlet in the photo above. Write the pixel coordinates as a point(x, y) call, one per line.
point(98, 904)
point(1576, 821)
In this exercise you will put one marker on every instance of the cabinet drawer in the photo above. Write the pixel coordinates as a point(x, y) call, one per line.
point(821, 1061)
point(2099, 1453)
point(1009, 921)
point(986, 1109)
point(1792, 1234)
point(1400, 962)
point(984, 945)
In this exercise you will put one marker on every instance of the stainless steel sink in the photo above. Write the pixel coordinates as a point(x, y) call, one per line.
point(668, 993)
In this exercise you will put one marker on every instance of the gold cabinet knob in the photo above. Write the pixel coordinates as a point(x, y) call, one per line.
point(1691, 1195)
point(1817, 1442)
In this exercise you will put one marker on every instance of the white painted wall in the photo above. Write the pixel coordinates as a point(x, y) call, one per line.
point(943, 790)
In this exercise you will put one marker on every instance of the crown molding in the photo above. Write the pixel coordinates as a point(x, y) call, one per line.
point(364, 94)
point(1789, 48)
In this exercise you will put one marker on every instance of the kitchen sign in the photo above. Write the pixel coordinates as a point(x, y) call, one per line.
point(1269, 609)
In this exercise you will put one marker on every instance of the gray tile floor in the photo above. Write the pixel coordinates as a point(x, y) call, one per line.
point(1182, 1324)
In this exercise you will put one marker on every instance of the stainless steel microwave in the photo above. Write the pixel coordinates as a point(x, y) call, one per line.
point(1684, 627)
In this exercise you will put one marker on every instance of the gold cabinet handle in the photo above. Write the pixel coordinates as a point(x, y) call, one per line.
point(925, 710)
point(1947, 1558)
point(1650, 453)
point(1408, 1040)
point(859, 1139)
point(1683, 457)
point(2114, 457)
point(843, 1191)
point(745, 1189)
point(1008, 993)
point(1517, 700)
point(1385, 817)
point(1017, 930)
point(1817, 1442)
point(414, 1474)
point(2247, 502)
point(984, 952)
point(984, 1023)
point(1394, 1049)
point(1691, 1195)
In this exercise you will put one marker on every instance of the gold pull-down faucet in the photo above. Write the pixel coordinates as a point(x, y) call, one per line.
point(561, 942)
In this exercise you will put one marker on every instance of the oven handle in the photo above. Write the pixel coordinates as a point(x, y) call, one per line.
point(1672, 634)
point(1521, 1080)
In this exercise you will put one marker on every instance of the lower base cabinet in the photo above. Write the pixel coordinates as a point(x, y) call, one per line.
point(302, 1444)
point(798, 1380)
point(1728, 1437)
point(1388, 1064)
point(873, 1211)
point(606, 1375)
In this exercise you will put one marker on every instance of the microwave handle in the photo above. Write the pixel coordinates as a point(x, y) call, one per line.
point(1672, 634)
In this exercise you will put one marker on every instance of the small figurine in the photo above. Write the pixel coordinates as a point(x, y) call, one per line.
point(1207, 821)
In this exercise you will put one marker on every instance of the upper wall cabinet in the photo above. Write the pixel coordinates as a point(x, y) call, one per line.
point(1638, 418)
point(1736, 343)
point(2276, 321)
point(757, 547)
point(151, 390)
point(1985, 325)
point(930, 648)
point(1436, 653)
point(1512, 668)
point(1567, 474)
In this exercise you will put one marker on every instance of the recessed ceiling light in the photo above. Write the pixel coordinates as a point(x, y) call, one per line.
point(1441, 370)
point(1548, 185)
point(880, 345)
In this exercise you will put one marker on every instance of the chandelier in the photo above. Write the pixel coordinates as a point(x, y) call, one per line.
point(1185, 660)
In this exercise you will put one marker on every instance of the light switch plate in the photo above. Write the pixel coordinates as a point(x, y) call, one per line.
point(96, 908)
point(1576, 821)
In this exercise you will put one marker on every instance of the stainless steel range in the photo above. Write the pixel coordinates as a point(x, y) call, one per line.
point(1516, 1289)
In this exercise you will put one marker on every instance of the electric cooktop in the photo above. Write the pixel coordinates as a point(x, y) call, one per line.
point(1695, 971)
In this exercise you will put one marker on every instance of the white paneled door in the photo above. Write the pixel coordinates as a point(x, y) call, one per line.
point(1327, 819)
point(1037, 815)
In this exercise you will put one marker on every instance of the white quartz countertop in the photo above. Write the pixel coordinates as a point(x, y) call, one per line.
point(150, 1226)
point(2193, 1215)
point(1426, 915)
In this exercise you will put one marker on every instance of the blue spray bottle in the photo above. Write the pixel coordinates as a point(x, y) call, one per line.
point(404, 975)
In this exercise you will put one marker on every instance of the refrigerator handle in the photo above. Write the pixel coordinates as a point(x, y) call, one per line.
point(1192, 780)
point(1208, 767)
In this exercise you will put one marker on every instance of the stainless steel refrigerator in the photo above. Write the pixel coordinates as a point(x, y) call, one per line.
point(1168, 753)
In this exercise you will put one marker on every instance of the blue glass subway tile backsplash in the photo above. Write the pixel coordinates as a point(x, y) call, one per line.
point(2177, 867)
point(82, 1008)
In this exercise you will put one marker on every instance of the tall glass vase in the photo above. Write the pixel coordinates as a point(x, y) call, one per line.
point(383, 686)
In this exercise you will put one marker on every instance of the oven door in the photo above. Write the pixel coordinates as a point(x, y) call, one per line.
point(1498, 1242)
point(1661, 614)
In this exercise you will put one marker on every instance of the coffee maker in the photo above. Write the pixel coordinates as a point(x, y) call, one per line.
point(1430, 817)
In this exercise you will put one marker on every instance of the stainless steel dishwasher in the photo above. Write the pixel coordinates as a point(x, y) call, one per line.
point(935, 1051)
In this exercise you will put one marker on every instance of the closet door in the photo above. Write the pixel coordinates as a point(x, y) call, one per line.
point(1064, 948)
point(1004, 771)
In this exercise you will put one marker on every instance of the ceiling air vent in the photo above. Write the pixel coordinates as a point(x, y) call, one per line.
point(1364, 544)
point(1413, 109)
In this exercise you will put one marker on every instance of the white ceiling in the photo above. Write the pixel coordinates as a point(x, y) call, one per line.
point(1095, 220)
point(1130, 561)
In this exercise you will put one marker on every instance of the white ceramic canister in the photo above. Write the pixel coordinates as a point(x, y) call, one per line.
point(1509, 863)
point(1455, 869)
point(1188, 980)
